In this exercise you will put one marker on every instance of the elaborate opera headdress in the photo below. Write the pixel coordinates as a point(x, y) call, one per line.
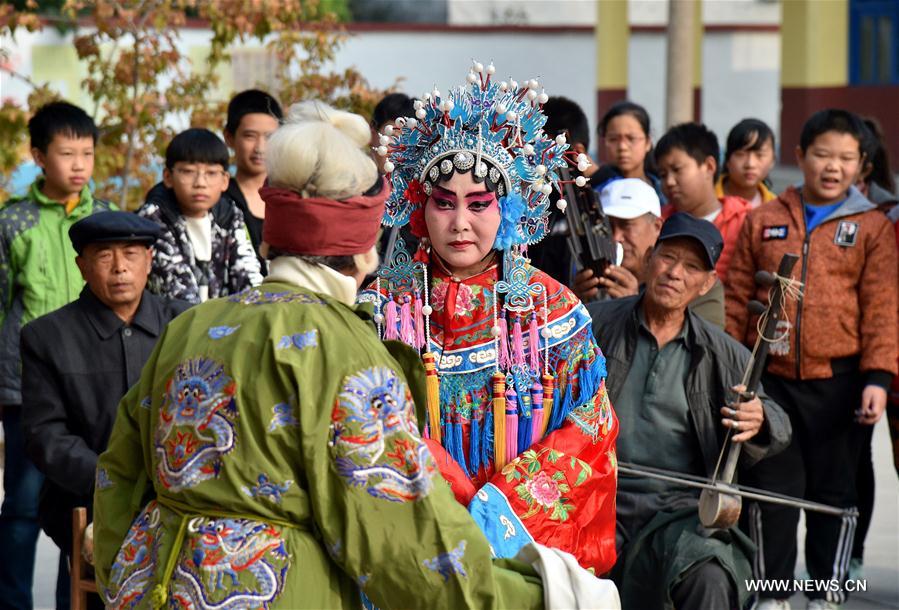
point(493, 130)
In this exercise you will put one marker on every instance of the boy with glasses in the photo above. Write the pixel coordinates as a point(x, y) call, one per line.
point(204, 251)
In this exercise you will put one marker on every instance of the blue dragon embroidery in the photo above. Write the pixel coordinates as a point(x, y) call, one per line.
point(447, 564)
point(267, 489)
point(196, 424)
point(230, 564)
point(374, 438)
point(103, 480)
point(300, 341)
point(220, 332)
point(282, 415)
point(132, 572)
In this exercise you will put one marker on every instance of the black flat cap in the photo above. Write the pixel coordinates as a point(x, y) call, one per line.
point(682, 224)
point(112, 226)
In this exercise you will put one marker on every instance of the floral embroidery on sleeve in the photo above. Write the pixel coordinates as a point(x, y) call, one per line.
point(545, 480)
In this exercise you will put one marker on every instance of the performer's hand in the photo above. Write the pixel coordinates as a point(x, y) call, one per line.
point(585, 285)
point(87, 545)
point(745, 418)
point(874, 401)
point(619, 282)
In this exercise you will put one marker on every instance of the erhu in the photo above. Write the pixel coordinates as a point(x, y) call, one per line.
point(720, 501)
point(718, 508)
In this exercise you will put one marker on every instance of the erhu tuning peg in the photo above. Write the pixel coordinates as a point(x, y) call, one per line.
point(756, 308)
point(764, 278)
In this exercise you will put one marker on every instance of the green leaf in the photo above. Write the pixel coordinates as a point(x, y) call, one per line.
point(533, 468)
point(581, 478)
point(554, 456)
point(558, 475)
point(524, 494)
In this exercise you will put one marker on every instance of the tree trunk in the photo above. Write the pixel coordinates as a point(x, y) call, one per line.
point(681, 42)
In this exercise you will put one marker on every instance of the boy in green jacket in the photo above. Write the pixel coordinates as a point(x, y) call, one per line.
point(37, 275)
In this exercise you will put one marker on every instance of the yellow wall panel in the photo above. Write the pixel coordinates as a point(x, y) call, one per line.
point(815, 43)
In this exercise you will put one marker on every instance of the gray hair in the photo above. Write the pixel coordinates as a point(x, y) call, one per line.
point(321, 151)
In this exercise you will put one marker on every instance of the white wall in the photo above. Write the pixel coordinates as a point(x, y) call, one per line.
point(564, 63)
point(740, 68)
point(741, 72)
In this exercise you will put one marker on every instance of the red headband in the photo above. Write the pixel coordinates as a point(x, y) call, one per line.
point(319, 226)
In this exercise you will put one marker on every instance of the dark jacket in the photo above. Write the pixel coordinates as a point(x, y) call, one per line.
point(175, 272)
point(254, 224)
point(77, 363)
point(717, 363)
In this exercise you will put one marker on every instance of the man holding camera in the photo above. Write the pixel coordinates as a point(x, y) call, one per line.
point(634, 212)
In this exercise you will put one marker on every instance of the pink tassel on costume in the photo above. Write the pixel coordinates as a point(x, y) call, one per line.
point(511, 424)
point(517, 343)
point(419, 324)
point(407, 333)
point(534, 341)
point(503, 343)
point(536, 411)
point(391, 331)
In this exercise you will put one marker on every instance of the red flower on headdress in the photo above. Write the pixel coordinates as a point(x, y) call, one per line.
point(414, 193)
point(417, 223)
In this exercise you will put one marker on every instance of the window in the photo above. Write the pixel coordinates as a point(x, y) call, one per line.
point(873, 42)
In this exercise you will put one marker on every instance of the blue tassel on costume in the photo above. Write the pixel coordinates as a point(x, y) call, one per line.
point(474, 448)
point(447, 436)
point(487, 441)
point(561, 407)
point(589, 379)
point(457, 451)
point(524, 433)
point(525, 430)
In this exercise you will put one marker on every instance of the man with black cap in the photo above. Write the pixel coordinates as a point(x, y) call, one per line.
point(78, 361)
point(671, 377)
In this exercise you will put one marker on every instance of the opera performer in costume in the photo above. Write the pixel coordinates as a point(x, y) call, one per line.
point(518, 414)
point(269, 456)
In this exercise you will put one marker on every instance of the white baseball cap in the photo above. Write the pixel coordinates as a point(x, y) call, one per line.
point(629, 198)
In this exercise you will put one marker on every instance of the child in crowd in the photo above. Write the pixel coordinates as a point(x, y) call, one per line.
point(875, 180)
point(626, 147)
point(687, 158)
point(37, 275)
point(837, 346)
point(204, 251)
point(748, 160)
point(253, 116)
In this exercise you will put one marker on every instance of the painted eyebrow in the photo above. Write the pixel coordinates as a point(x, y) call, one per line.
point(438, 190)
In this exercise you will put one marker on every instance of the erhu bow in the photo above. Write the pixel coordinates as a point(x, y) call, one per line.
point(720, 502)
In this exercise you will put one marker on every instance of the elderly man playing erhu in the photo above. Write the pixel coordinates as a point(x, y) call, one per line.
point(671, 375)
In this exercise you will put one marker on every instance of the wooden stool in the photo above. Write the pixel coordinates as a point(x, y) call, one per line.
point(82, 583)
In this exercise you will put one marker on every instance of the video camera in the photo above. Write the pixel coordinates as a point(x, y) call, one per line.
point(589, 230)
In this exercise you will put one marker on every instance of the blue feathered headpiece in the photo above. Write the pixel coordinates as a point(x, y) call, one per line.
point(493, 129)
